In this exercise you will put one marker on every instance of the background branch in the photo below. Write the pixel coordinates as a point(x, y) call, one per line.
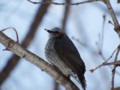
point(66, 16)
point(14, 59)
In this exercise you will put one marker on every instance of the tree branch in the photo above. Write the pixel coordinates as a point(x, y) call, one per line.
point(37, 61)
point(114, 18)
point(66, 16)
point(113, 71)
point(57, 3)
point(14, 59)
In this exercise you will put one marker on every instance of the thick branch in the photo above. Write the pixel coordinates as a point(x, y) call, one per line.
point(37, 61)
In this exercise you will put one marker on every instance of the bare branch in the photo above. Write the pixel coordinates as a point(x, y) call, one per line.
point(114, 18)
point(105, 62)
point(37, 61)
point(113, 71)
point(66, 16)
point(117, 63)
point(57, 3)
point(113, 77)
point(12, 29)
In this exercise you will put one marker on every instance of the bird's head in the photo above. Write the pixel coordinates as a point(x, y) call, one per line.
point(55, 32)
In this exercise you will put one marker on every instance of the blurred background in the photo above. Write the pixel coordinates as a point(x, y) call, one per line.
point(86, 25)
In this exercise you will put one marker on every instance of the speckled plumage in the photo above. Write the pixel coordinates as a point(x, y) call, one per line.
point(61, 52)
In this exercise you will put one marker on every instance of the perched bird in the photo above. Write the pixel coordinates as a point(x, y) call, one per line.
point(62, 53)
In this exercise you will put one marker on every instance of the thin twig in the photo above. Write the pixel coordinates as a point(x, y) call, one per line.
point(101, 38)
point(100, 45)
point(102, 33)
point(113, 71)
point(104, 63)
point(57, 3)
point(114, 18)
point(16, 33)
point(112, 80)
point(117, 63)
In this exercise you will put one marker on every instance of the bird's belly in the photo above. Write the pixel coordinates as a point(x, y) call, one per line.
point(54, 59)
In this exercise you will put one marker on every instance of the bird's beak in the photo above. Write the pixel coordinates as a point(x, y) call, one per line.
point(47, 30)
point(50, 31)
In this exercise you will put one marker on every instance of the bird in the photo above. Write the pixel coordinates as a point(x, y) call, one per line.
point(62, 54)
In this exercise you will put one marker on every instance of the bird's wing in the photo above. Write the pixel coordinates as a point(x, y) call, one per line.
point(69, 54)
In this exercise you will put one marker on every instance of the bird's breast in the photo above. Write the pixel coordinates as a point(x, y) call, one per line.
point(54, 59)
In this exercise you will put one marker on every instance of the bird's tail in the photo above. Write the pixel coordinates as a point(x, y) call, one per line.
point(82, 80)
